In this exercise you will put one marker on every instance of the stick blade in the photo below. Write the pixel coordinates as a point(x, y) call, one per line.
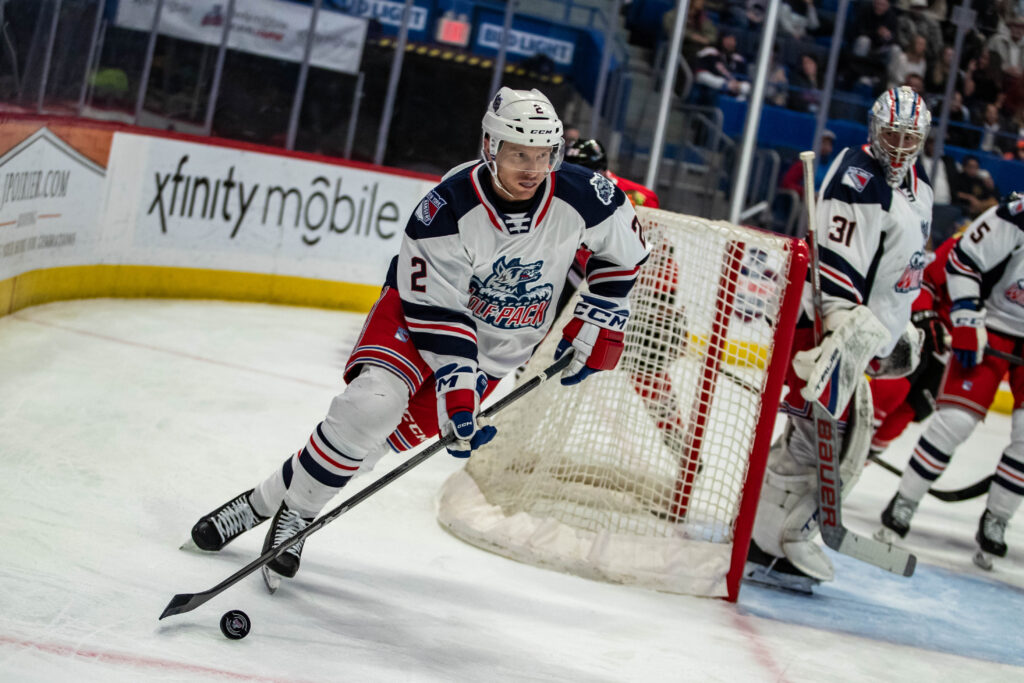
point(883, 555)
point(183, 602)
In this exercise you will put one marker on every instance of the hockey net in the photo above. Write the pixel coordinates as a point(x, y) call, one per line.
point(649, 474)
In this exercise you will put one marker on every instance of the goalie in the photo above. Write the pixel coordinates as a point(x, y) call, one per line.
point(469, 296)
point(872, 218)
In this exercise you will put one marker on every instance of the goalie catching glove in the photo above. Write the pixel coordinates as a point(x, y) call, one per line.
point(459, 389)
point(596, 333)
point(969, 335)
point(832, 369)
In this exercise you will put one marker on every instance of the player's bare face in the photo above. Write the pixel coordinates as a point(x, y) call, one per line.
point(522, 169)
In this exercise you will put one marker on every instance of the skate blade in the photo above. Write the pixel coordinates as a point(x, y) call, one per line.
point(983, 560)
point(761, 575)
point(191, 547)
point(271, 579)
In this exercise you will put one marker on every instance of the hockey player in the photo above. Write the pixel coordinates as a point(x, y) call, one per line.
point(873, 219)
point(466, 300)
point(985, 279)
point(590, 154)
point(898, 401)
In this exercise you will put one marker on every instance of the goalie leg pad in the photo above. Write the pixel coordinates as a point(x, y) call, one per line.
point(787, 509)
point(857, 438)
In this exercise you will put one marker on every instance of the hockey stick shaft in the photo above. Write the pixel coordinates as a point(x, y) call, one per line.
point(186, 602)
point(826, 431)
point(978, 488)
point(1002, 355)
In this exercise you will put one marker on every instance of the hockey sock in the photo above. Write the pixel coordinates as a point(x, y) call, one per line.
point(1008, 484)
point(948, 428)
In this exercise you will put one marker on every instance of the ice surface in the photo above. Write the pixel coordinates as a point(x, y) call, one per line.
point(122, 421)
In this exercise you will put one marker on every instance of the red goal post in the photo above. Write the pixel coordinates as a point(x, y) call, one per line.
point(650, 474)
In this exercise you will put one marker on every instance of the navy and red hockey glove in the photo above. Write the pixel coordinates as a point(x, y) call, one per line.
point(596, 332)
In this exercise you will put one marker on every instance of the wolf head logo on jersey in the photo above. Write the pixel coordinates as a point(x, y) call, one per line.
point(605, 188)
point(505, 298)
point(1015, 293)
point(429, 207)
point(913, 274)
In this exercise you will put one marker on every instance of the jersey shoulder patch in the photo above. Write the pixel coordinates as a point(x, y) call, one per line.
point(1012, 212)
point(859, 179)
point(591, 194)
point(438, 213)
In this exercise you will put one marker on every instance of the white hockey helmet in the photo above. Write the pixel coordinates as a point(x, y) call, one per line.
point(897, 128)
point(524, 117)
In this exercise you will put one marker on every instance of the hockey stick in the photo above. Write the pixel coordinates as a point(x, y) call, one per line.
point(976, 489)
point(830, 519)
point(186, 602)
point(1002, 355)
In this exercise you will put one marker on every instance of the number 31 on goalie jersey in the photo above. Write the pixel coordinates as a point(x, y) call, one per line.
point(842, 230)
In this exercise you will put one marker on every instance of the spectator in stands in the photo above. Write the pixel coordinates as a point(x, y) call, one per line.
point(793, 178)
point(805, 85)
point(875, 28)
point(915, 82)
point(1017, 154)
point(960, 116)
point(745, 14)
point(991, 130)
point(983, 80)
point(910, 61)
point(798, 18)
point(938, 73)
point(973, 190)
point(700, 32)
point(1010, 48)
point(722, 68)
point(917, 22)
point(776, 88)
point(940, 175)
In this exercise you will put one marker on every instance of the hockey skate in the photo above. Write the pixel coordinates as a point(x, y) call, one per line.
point(776, 572)
point(215, 530)
point(990, 538)
point(896, 519)
point(286, 524)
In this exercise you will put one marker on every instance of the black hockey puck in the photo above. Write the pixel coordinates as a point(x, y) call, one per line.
point(235, 624)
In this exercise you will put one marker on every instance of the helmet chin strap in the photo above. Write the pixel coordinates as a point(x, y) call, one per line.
point(492, 166)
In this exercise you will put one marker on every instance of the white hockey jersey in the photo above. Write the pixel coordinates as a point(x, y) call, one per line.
point(479, 284)
point(871, 240)
point(987, 264)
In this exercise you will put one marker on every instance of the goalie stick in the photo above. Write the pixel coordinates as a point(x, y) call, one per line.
point(186, 602)
point(978, 488)
point(830, 516)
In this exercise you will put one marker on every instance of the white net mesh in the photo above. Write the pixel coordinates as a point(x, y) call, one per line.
point(636, 474)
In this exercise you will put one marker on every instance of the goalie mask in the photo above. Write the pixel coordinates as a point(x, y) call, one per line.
point(897, 128)
point(525, 118)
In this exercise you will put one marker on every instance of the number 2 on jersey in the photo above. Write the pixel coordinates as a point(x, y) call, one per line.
point(419, 271)
point(842, 230)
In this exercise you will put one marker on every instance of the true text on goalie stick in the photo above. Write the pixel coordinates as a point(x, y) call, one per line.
point(826, 435)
